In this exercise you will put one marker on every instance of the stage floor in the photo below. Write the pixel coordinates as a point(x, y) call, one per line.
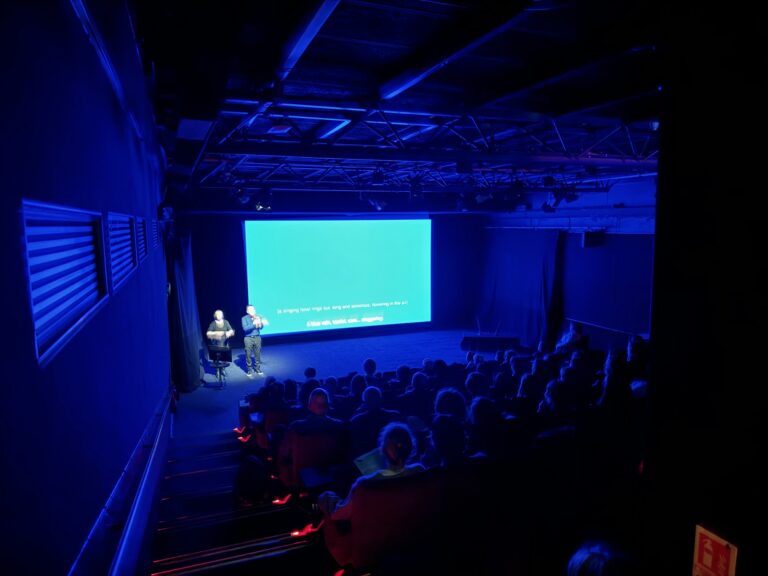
point(210, 410)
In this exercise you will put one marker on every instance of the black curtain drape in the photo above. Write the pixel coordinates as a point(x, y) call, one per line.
point(518, 295)
point(187, 345)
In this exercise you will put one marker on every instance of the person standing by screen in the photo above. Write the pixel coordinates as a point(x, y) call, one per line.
point(219, 330)
point(252, 325)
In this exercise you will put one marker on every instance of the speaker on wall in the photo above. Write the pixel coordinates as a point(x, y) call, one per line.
point(592, 238)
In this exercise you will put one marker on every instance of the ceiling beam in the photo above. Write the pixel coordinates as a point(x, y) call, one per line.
point(460, 42)
point(282, 104)
point(304, 37)
point(275, 150)
point(640, 54)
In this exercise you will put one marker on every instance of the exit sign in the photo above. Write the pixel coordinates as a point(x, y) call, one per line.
point(713, 556)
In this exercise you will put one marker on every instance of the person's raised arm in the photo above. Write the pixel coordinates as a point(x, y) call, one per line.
point(246, 323)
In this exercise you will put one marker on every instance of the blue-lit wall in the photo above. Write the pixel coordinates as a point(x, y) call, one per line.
point(525, 272)
point(68, 429)
point(518, 281)
point(607, 284)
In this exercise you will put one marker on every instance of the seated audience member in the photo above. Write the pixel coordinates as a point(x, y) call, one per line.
point(637, 358)
point(477, 361)
point(485, 428)
point(441, 373)
point(357, 384)
point(331, 384)
point(305, 390)
point(402, 378)
point(369, 369)
point(448, 402)
point(476, 384)
point(428, 367)
point(573, 339)
point(448, 442)
point(421, 432)
point(502, 387)
point(470, 360)
point(397, 445)
point(347, 404)
point(614, 392)
point(417, 400)
point(291, 390)
point(270, 398)
point(317, 423)
point(317, 420)
point(451, 401)
point(554, 403)
point(533, 383)
point(601, 559)
point(368, 421)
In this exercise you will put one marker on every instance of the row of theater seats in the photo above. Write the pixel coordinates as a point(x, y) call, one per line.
point(482, 517)
point(519, 514)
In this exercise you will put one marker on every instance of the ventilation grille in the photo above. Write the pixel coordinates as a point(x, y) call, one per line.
point(122, 256)
point(155, 234)
point(65, 272)
point(141, 238)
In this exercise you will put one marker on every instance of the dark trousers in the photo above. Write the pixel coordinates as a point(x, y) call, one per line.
point(252, 348)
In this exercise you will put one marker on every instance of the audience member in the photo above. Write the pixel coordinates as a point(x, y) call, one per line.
point(397, 446)
point(368, 421)
point(601, 559)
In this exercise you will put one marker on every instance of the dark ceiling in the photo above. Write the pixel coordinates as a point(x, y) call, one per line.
point(400, 105)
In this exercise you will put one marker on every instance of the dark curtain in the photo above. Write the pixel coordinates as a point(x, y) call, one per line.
point(609, 285)
point(187, 345)
point(518, 296)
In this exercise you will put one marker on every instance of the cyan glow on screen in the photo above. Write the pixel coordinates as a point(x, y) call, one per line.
point(311, 275)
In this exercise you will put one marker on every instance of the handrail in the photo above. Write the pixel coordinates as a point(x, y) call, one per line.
point(128, 554)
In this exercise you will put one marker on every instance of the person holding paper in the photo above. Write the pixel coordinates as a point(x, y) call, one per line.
point(252, 326)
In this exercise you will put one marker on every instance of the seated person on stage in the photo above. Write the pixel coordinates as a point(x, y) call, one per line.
point(219, 330)
point(397, 447)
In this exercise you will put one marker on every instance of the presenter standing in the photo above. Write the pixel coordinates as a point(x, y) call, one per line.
point(252, 325)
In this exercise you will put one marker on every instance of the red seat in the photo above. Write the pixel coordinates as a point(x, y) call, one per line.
point(310, 450)
point(269, 421)
point(387, 515)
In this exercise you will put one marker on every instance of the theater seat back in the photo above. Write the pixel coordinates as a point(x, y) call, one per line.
point(387, 516)
point(313, 450)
